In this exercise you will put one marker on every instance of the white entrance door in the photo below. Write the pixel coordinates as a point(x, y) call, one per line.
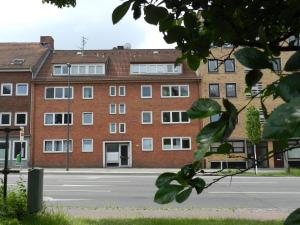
point(117, 155)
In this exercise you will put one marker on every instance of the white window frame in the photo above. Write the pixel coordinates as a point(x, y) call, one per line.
point(78, 73)
point(179, 89)
point(122, 112)
point(53, 140)
point(136, 69)
point(27, 86)
point(63, 118)
point(171, 117)
point(147, 138)
point(122, 132)
point(8, 113)
point(172, 147)
point(112, 112)
point(63, 93)
point(92, 88)
point(144, 86)
point(110, 90)
point(2, 89)
point(142, 117)
point(13, 149)
point(84, 123)
point(26, 116)
point(124, 88)
point(110, 130)
point(82, 145)
point(9, 149)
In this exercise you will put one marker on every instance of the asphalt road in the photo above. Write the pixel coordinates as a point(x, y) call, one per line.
point(137, 191)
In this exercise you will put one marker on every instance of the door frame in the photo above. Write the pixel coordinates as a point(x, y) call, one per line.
point(119, 142)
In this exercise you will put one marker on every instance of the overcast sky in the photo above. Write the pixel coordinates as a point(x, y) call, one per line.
point(27, 20)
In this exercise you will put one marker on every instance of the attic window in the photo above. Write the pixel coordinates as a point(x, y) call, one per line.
point(18, 61)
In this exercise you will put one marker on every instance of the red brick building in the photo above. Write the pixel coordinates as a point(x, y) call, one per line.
point(19, 64)
point(127, 109)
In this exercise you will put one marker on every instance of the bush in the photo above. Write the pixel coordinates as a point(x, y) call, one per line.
point(15, 206)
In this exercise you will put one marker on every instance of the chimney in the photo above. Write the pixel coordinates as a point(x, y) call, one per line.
point(47, 42)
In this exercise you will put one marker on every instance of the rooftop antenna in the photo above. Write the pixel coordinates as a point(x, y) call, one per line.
point(83, 43)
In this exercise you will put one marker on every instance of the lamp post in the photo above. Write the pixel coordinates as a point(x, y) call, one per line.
point(68, 116)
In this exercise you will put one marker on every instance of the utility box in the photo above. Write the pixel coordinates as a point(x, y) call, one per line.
point(35, 190)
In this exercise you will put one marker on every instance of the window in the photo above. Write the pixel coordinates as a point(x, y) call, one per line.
point(214, 90)
point(229, 65)
point(146, 91)
point(58, 118)
point(5, 119)
point(237, 146)
point(213, 65)
point(147, 144)
point(58, 92)
point(6, 89)
point(79, 69)
point(255, 90)
point(21, 119)
point(2, 150)
point(176, 143)
point(21, 89)
point(87, 118)
point(112, 90)
point(112, 109)
point(293, 41)
point(295, 152)
point(87, 92)
point(122, 108)
point(20, 147)
point(112, 128)
point(276, 63)
point(261, 116)
point(146, 117)
point(122, 128)
point(122, 91)
point(215, 118)
point(230, 90)
point(87, 145)
point(174, 91)
point(155, 69)
point(175, 117)
point(57, 146)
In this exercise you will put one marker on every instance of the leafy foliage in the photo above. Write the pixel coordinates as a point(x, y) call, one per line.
point(61, 3)
point(293, 218)
point(253, 127)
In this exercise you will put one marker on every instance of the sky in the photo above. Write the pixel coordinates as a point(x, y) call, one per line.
point(27, 20)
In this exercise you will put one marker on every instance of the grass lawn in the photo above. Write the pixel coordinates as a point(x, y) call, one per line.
point(55, 219)
point(294, 172)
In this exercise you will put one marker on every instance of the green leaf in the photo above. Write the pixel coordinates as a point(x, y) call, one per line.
point(293, 62)
point(252, 77)
point(175, 33)
point(284, 121)
point(153, 14)
point(253, 58)
point(182, 196)
point(230, 117)
point(212, 132)
point(165, 179)
point(188, 171)
point(193, 61)
point(223, 149)
point(204, 107)
point(167, 194)
point(288, 87)
point(198, 183)
point(293, 218)
point(190, 20)
point(120, 11)
point(166, 23)
point(136, 7)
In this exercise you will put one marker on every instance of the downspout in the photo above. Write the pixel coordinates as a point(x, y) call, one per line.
point(31, 124)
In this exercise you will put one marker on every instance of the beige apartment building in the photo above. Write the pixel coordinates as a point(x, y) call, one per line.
point(227, 80)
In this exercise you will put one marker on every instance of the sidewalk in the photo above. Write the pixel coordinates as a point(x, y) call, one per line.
point(122, 171)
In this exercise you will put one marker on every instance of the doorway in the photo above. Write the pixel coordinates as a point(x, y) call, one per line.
point(117, 154)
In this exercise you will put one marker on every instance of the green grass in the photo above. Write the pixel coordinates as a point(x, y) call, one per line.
point(294, 172)
point(60, 219)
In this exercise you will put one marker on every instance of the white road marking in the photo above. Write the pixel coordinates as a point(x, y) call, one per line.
point(50, 199)
point(254, 192)
point(246, 182)
point(100, 191)
point(76, 185)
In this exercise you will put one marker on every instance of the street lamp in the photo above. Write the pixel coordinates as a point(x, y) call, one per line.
point(68, 116)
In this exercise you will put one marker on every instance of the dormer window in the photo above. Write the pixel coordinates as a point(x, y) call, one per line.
point(155, 69)
point(79, 69)
point(17, 61)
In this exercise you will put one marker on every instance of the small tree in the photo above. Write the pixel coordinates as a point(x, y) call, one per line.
point(253, 130)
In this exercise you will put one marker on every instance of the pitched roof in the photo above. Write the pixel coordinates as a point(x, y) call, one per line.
point(20, 55)
point(117, 61)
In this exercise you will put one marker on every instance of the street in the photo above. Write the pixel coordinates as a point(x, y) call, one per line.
point(137, 191)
